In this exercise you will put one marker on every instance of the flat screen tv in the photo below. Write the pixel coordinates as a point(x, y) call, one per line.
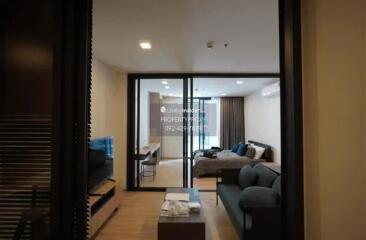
point(100, 164)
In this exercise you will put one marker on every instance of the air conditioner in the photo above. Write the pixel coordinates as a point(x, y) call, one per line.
point(272, 90)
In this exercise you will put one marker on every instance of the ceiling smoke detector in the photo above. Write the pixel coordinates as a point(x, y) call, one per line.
point(210, 45)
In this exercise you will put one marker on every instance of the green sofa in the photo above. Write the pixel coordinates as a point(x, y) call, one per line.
point(252, 198)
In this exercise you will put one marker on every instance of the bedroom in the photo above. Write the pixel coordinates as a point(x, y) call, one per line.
point(224, 112)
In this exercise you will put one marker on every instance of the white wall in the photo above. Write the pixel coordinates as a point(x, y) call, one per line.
point(108, 112)
point(263, 121)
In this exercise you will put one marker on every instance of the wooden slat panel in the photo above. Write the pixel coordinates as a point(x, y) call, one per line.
point(25, 172)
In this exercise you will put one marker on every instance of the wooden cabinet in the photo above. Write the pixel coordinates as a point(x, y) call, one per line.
point(103, 201)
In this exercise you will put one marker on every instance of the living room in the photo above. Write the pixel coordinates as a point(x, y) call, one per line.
point(135, 74)
point(45, 114)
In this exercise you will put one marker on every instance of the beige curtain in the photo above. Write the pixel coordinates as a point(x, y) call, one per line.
point(231, 121)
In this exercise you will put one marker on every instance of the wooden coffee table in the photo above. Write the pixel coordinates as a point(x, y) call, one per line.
point(183, 228)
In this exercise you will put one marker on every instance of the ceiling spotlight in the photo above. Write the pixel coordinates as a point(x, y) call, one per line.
point(145, 45)
point(167, 87)
point(164, 82)
point(223, 94)
point(239, 82)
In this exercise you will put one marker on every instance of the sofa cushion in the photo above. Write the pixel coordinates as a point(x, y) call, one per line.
point(247, 177)
point(258, 196)
point(266, 177)
point(230, 196)
point(277, 185)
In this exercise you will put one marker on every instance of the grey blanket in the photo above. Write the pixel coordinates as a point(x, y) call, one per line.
point(225, 159)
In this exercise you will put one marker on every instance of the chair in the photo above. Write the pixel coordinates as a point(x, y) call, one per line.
point(150, 163)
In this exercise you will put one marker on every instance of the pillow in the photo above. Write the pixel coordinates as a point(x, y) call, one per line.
point(250, 152)
point(258, 151)
point(259, 196)
point(235, 147)
point(247, 177)
point(242, 149)
point(266, 177)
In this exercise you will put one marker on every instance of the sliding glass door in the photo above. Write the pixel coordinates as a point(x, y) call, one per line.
point(174, 119)
point(161, 133)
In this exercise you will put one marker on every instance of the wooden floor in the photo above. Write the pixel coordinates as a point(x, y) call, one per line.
point(139, 212)
point(205, 183)
point(169, 173)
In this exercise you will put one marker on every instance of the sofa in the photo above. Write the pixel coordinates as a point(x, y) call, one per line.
point(252, 198)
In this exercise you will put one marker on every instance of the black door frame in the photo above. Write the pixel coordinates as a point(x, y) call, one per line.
point(291, 119)
point(291, 111)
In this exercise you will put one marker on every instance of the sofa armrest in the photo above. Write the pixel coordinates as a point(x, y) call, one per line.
point(262, 222)
point(228, 176)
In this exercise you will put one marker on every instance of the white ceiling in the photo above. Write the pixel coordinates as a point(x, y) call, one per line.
point(179, 30)
point(207, 87)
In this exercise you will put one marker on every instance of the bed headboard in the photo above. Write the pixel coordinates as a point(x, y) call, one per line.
point(267, 155)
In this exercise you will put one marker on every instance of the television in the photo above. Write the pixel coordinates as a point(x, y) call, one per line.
point(100, 164)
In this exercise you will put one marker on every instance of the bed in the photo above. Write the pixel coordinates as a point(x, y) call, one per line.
point(203, 166)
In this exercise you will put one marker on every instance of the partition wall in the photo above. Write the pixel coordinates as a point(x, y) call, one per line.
point(169, 120)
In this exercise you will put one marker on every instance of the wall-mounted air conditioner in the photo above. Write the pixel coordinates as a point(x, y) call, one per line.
point(272, 90)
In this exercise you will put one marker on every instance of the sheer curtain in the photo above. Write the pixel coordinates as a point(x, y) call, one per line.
point(231, 121)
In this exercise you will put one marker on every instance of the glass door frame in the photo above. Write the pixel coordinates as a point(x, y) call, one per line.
point(133, 150)
point(133, 115)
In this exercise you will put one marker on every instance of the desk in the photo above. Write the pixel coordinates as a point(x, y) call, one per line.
point(153, 149)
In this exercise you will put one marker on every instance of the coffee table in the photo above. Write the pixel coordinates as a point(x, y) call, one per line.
point(183, 228)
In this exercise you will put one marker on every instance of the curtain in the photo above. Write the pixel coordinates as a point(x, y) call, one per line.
point(231, 121)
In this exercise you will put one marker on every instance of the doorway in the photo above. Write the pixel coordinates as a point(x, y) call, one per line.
point(291, 96)
point(175, 118)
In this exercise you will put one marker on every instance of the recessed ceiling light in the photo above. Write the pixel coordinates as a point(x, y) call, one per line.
point(164, 82)
point(170, 94)
point(223, 94)
point(145, 45)
point(239, 82)
point(167, 87)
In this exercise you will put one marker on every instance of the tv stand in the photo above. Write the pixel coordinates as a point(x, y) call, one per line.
point(103, 201)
